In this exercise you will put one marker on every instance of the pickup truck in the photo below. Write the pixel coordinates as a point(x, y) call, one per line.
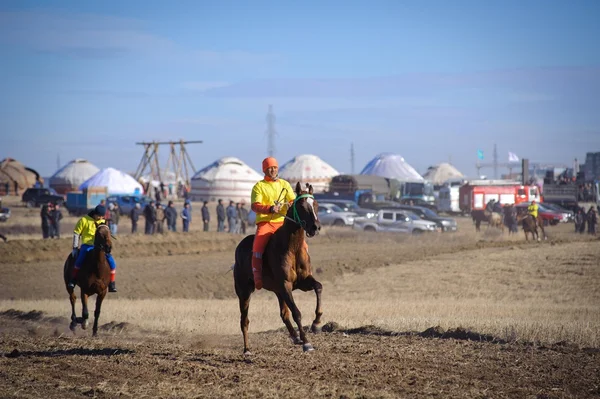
point(395, 220)
point(81, 202)
point(34, 197)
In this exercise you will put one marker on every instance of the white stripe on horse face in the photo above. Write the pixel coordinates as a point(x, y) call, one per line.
point(311, 203)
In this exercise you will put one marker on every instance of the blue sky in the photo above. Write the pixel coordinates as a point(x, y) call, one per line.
point(430, 80)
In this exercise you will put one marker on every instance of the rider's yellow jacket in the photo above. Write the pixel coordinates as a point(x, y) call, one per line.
point(86, 228)
point(266, 193)
point(533, 210)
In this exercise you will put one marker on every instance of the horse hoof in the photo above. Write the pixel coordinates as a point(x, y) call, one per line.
point(297, 341)
point(72, 326)
point(247, 353)
point(315, 328)
point(308, 348)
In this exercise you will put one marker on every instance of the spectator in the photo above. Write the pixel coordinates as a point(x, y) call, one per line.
point(16, 187)
point(205, 216)
point(220, 216)
point(160, 218)
point(150, 215)
point(579, 221)
point(186, 217)
point(157, 194)
point(170, 190)
point(55, 218)
point(171, 216)
point(243, 215)
point(592, 220)
point(45, 216)
point(231, 216)
point(6, 188)
point(135, 213)
point(115, 216)
point(162, 189)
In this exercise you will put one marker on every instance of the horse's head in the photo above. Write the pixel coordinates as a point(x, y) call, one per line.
point(304, 210)
point(102, 239)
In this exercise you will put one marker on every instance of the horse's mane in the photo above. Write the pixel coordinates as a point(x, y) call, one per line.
point(99, 250)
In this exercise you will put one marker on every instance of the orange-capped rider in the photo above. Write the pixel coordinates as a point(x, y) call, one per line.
point(270, 200)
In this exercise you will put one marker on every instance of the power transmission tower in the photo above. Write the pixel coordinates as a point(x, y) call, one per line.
point(57, 160)
point(351, 158)
point(271, 132)
point(179, 163)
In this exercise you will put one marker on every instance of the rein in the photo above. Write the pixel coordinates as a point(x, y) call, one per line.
point(296, 218)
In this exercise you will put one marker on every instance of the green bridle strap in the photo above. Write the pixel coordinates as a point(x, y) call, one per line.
point(296, 216)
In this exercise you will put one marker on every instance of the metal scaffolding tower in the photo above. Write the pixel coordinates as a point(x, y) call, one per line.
point(351, 158)
point(179, 163)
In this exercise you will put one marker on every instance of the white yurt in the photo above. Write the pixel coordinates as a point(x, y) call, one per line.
point(227, 178)
point(72, 175)
point(308, 169)
point(116, 181)
point(439, 174)
point(392, 166)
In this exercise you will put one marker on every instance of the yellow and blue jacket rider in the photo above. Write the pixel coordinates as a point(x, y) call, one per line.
point(86, 230)
point(533, 209)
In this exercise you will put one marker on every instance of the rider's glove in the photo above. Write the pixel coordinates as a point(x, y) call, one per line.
point(74, 253)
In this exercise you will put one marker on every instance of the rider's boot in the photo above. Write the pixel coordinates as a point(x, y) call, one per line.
point(111, 286)
point(73, 280)
point(257, 272)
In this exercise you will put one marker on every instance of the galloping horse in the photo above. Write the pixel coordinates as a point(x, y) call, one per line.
point(529, 226)
point(93, 278)
point(286, 267)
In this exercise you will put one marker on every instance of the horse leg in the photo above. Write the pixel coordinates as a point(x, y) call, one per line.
point(311, 284)
point(541, 225)
point(285, 317)
point(289, 300)
point(244, 322)
point(73, 298)
point(99, 299)
point(84, 314)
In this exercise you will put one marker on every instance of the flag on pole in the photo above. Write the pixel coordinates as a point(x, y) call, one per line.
point(512, 157)
point(480, 154)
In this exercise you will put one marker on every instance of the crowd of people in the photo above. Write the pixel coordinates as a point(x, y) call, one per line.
point(589, 218)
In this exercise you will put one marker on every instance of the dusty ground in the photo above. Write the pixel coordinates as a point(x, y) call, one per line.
point(40, 357)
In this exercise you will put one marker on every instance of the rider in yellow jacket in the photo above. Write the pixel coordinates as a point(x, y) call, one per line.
point(84, 233)
point(270, 200)
point(533, 209)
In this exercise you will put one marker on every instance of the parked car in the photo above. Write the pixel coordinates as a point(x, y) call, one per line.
point(331, 214)
point(350, 206)
point(418, 202)
point(549, 216)
point(569, 215)
point(127, 202)
point(4, 214)
point(395, 220)
point(34, 197)
point(446, 224)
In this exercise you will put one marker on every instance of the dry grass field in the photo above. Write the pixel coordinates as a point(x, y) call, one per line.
point(446, 315)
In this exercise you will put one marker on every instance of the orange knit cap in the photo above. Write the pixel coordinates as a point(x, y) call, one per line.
point(268, 162)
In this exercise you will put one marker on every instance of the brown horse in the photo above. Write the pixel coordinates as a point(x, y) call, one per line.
point(93, 278)
point(286, 267)
point(529, 226)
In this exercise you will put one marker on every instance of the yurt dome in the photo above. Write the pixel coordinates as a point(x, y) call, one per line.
point(308, 169)
point(12, 171)
point(228, 178)
point(72, 175)
point(116, 181)
point(439, 174)
point(392, 166)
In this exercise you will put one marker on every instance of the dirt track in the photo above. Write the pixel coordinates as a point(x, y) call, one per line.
point(41, 357)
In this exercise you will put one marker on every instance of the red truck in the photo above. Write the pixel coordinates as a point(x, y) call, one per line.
point(474, 195)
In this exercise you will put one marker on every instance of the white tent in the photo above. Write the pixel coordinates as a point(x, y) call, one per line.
point(392, 166)
point(440, 173)
point(116, 181)
point(72, 175)
point(227, 178)
point(308, 169)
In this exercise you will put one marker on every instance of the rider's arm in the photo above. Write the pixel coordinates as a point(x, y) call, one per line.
point(257, 199)
point(77, 232)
